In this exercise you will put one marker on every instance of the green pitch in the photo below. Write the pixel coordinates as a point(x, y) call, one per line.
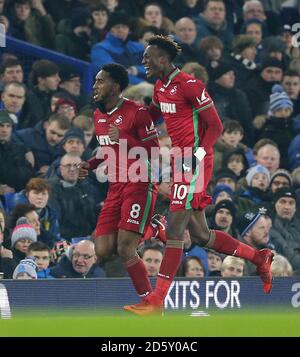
point(217, 324)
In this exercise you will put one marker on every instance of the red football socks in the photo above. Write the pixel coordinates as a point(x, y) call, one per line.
point(226, 244)
point(168, 268)
point(139, 276)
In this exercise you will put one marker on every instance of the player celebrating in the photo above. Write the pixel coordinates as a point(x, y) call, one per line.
point(192, 122)
point(129, 205)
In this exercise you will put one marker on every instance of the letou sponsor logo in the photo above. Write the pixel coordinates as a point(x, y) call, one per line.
point(2, 35)
point(5, 312)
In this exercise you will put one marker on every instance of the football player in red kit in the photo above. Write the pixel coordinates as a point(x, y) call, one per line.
point(129, 205)
point(192, 123)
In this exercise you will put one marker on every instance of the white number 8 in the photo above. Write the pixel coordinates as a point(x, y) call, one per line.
point(135, 210)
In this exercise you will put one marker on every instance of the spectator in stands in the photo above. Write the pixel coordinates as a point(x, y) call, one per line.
point(40, 253)
point(233, 134)
point(99, 15)
point(274, 47)
point(6, 261)
point(186, 33)
point(73, 200)
point(79, 262)
point(70, 85)
point(22, 236)
point(44, 140)
point(13, 99)
point(154, 16)
point(254, 9)
point(280, 178)
point(66, 107)
point(253, 28)
point(72, 142)
point(59, 250)
point(116, 47)
point(230, 101)
point(212, 22)
point(61, 9)
point(25, 270)
point(285, 231)
point(232, 267)
point(267, 154)
point(243, 59)
point(254, 228)
point(286, 36)
point(146, 33)
point(28, 211)
point(37, 193)
point(226, 177)
point(11, 70)
point(279, 124)
point(192, 267)
point(222, 192)
point(256, 193)
point(15, 166)
point(152, 256)
point(223, 217)
point(211, 49)
point(140, 93)
point(86, 124)
point(281, 267)
point(195, 70)
point(236, 161)
point(29, 21)
point(214, 262)
point(258, 89)
point(74, 42)
point(291, 85)
point(44, 77)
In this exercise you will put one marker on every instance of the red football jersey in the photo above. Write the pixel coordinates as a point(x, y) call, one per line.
point(180, 98)
point(135, 125)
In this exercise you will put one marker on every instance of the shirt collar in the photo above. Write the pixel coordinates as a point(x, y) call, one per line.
point(120, 102)
point(171, 76)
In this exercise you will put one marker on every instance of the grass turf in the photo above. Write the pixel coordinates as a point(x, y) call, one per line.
point(218, 324)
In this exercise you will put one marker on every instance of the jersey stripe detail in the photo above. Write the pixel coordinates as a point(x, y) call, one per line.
point(148, 202)
point(203, 108)
point(150, 137)
point(154, 103)
point(196, 174)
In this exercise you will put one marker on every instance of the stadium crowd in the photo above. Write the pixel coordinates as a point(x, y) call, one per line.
point(245, 53)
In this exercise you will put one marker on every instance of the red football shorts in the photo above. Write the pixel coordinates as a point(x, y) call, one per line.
point(189, 184)
point(128, 206)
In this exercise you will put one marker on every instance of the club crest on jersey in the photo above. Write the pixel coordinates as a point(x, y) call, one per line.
point(119, 120)
point(168, 107)
point(173, 90)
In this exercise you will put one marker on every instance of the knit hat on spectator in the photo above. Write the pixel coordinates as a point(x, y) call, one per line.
point(279, 100)
point(284, 192)
point(67, 72)
point(256, 170)
point(241, 42)
point(75, 133)
point(226, 204)
point(80, 17)
point(218, 69)
point(282, 172)
point(247, 221)
point(63, 101)
point(26, 266)
point(5, 117)
point(43, 68)
point(271, 62)
point(225, 173)
point(221, 188)
point(117, 18)
point(23, 231)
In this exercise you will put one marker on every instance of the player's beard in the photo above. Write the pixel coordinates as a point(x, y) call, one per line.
point(101, 106)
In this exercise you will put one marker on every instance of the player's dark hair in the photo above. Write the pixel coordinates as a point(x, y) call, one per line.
point(166, 44)
point(118, 73)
